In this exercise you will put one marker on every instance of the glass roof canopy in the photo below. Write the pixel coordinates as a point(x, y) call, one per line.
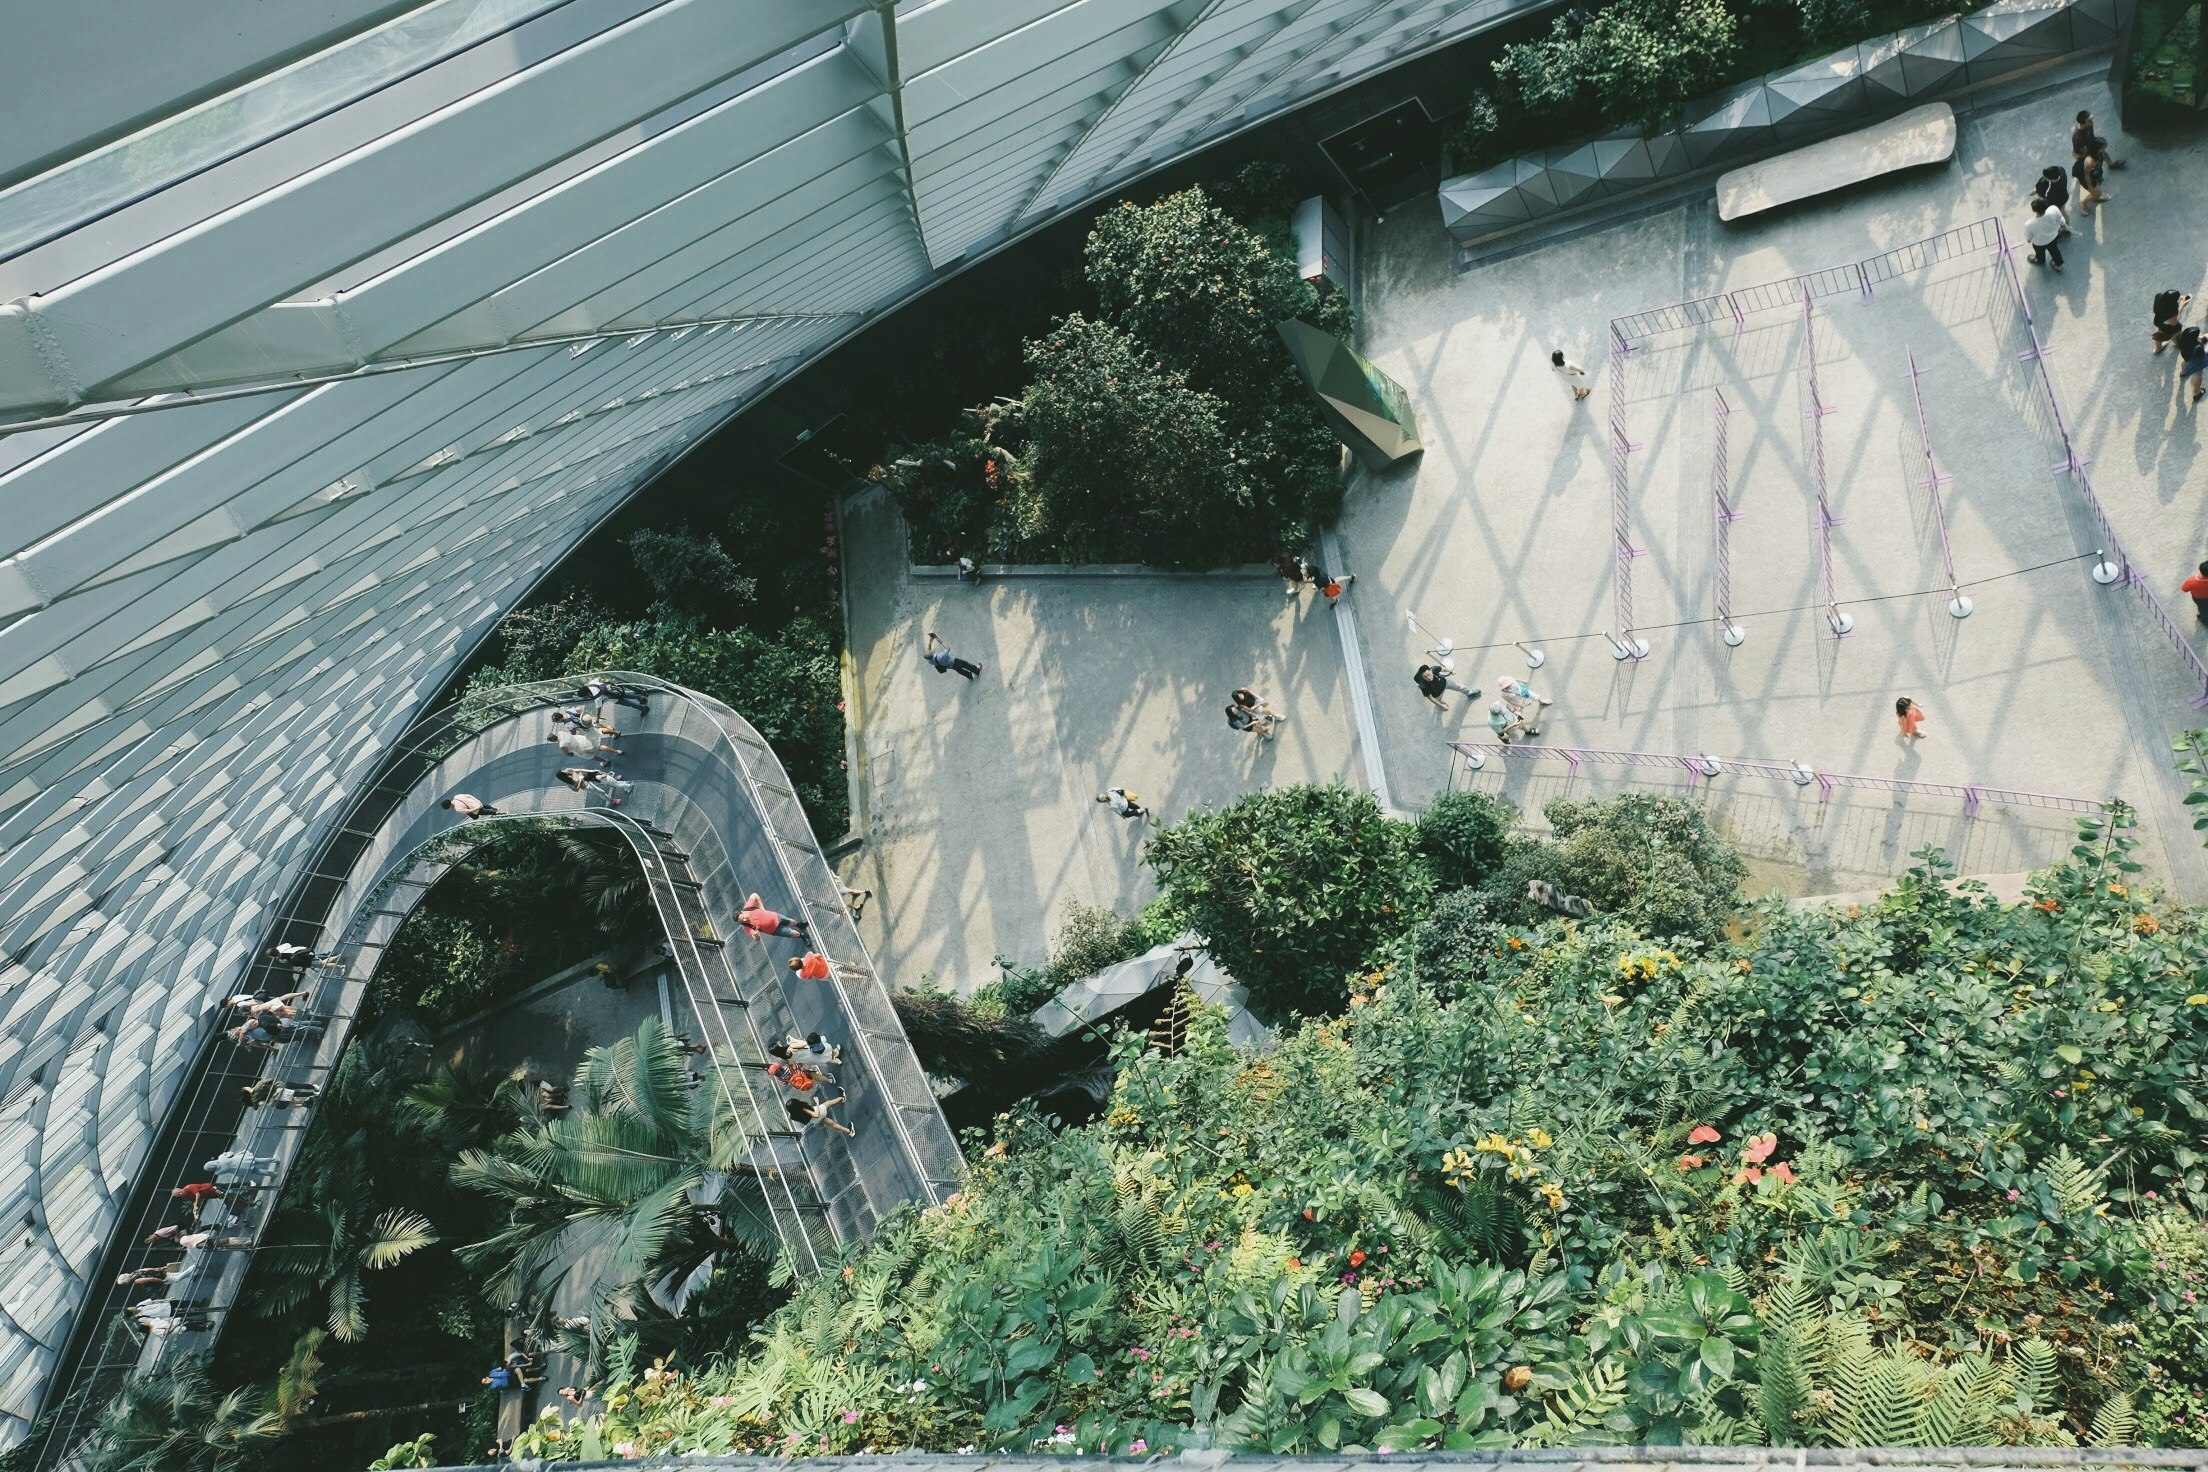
point(327, 328)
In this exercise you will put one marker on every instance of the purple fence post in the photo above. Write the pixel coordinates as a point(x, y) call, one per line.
point(2119, 571)
point(1626, 647)
point(1958, 605)
point(1837, 621)
point(1723, 516)
point(1970, 802)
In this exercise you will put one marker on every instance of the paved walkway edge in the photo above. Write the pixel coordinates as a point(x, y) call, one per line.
point(1360, 688)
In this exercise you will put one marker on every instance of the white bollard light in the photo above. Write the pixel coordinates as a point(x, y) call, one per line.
point(1474, 760)
point(1735, 636)
point(1803, 776)
point(1959, 606)
point(1535, 658)
point(2105, 569)
point(1707, 765)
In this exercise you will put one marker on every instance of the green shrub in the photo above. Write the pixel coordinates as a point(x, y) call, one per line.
point(1092, 939)
point(1126, 461)
point(1462, 836)
point(1454, 950)
point(956, 1040)
point(691, 574)
point(1292, 889)
point(1634, 62)
point(1654, 862)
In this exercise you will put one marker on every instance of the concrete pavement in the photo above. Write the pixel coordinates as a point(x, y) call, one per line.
point(977, 800)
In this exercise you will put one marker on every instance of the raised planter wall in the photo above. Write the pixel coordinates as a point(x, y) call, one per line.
point(1818, 99)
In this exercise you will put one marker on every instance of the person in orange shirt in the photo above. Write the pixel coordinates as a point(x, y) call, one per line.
point(813, 966)
point(2197, 587)
point(1911, 716)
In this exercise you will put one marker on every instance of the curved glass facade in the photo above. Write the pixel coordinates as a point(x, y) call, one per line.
point(327, 328)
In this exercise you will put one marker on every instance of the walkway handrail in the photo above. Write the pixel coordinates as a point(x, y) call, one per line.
point(1701, 767)
point(725, 719)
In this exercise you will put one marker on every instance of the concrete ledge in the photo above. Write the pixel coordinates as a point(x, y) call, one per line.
point(1920, 136)
point(1093, 570)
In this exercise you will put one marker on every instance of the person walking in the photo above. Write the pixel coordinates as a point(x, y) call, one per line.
point(470, 808)
point(813, 1049)
point(1433, 681)
point(242, 1164)
point(813, 966)
point(801, 1078)
point(299, 958)
point(582, 743)
point(968, 573)
point(2042, 231)
point(1294, 571)
point(938, 653)
point(1127, 804)
point(209, 1242)
point(254, 1003)
point(149, 1277)
point(2196, 588)
point(2086, 139)
point(2169, 317)
point(1503, 721)
point(2192, 350)
point(1524, 703)
point(763, 922)
point(2053, 185)
point(268, 1093)
point(601, 691)
point(855, 900)
point(1574, 376)
point(197, 1195)
point(1262, 717)
point(1910, 717)
point(2087, 176)
point(805, 1113)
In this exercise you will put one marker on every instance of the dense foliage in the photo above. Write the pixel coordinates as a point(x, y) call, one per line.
point(1292, 889)
point(1168, 426)
point(1926, 1171)
point(1639, 63)
point(1295, 889)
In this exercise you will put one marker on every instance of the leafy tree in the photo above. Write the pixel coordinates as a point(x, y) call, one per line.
point(689, 572)
point(1292, 889)
point(1462, 836)
point(172, 1419)
point(1206, 294)
point(330, 1232)
point(605, 1191)
point(1634, 61)
point(1655, 862)
point(1126, 461)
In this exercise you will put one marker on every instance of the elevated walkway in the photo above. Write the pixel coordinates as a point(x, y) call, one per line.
point(712, 817)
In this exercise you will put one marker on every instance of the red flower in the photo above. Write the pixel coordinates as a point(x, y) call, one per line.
point(1750, 1175)
point(1357, 1258)
point(1783, 1171)
point(1702, 1134)
point(1691, 1162)
point(1760, 1148)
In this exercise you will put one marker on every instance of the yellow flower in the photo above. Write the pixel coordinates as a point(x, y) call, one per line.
point(2144, 924)
point(2108, 1006)
point(1494, 1144)
point(1540, 1138)
point(1552, 1193)
point(2197, 999)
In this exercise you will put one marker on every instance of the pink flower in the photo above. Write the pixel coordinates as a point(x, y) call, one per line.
point(1783, 1172)
point(850, 1418)
point(1749, 1174)
point(1138, 1446)
point(1692, 1162)
point(1760, 1148)
point(1702, 1134)
point(2014, 1194)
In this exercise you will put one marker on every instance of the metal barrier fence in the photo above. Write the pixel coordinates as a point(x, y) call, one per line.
point(1723, 516)
point(1628, 332)
point(1932, 480)
point(1623, 645)
point(1702, 767)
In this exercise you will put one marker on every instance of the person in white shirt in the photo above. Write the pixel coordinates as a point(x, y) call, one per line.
point(2042, 230)
point(1123, 802)
point(580, 743)
point(469, 807)
point(1574, 376)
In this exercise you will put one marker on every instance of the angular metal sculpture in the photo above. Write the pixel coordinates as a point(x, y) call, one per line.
point(1368, 409)
point(1847, 89)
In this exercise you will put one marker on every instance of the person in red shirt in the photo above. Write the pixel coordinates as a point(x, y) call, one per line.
point(2197, 587)
point(761, 921)
point(198, 1193)
point(795, 1075)
point(813, 966)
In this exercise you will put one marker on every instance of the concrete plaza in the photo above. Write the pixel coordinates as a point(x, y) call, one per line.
point(1502, 530)
point(977, 799)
